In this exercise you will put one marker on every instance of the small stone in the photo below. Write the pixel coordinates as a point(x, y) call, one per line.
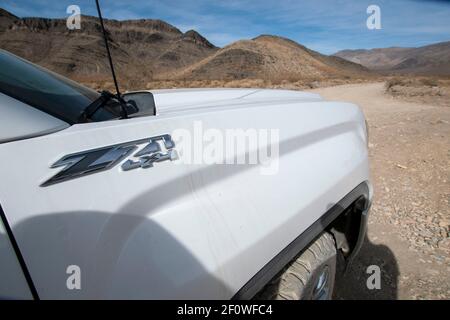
point(444, 244)
point(444, 223)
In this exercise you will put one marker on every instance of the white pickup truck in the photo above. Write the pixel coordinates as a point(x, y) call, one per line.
point(99, 202)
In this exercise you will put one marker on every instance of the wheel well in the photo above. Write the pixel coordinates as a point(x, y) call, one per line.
point(345, 220)
point(348, 228)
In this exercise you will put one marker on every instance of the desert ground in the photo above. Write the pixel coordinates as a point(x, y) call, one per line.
point(408, 234)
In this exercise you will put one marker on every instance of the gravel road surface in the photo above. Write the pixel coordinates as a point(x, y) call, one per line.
point(409, 225)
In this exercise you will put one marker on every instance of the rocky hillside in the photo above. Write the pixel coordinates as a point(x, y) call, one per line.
point(270, 57)
point(139, 47)
point(145, 50)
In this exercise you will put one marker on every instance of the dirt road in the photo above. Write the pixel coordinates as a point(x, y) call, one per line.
point(409, 235)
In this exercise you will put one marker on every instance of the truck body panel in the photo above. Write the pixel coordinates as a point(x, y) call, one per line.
point(178, 230)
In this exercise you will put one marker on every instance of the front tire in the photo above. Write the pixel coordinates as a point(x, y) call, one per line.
point(310, 276)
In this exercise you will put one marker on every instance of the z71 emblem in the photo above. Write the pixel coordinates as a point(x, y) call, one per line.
point(157, 149)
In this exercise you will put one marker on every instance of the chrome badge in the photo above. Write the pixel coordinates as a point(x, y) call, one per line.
point(157, 149)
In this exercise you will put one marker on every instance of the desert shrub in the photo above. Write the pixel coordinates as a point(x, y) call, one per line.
point(393, 82)
point(429, 82)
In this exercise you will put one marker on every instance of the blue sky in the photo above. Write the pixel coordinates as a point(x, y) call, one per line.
point(323, 25)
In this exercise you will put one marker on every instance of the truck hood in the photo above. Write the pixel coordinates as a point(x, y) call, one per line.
point(176, 100)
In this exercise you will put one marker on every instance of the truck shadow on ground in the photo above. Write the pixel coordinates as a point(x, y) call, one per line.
point(352, 285)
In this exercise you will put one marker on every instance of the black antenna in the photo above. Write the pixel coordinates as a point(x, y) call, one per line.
point(119, 96)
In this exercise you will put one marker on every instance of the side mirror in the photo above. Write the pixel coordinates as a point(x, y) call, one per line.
point(143, 101)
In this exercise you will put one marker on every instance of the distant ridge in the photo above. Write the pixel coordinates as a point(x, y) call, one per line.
point(427, 60)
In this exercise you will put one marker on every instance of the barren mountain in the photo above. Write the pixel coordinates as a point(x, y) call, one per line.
point(145, 50)
point(139, 47)
point(269, 57)
point(6, 19)
point(428, 60)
